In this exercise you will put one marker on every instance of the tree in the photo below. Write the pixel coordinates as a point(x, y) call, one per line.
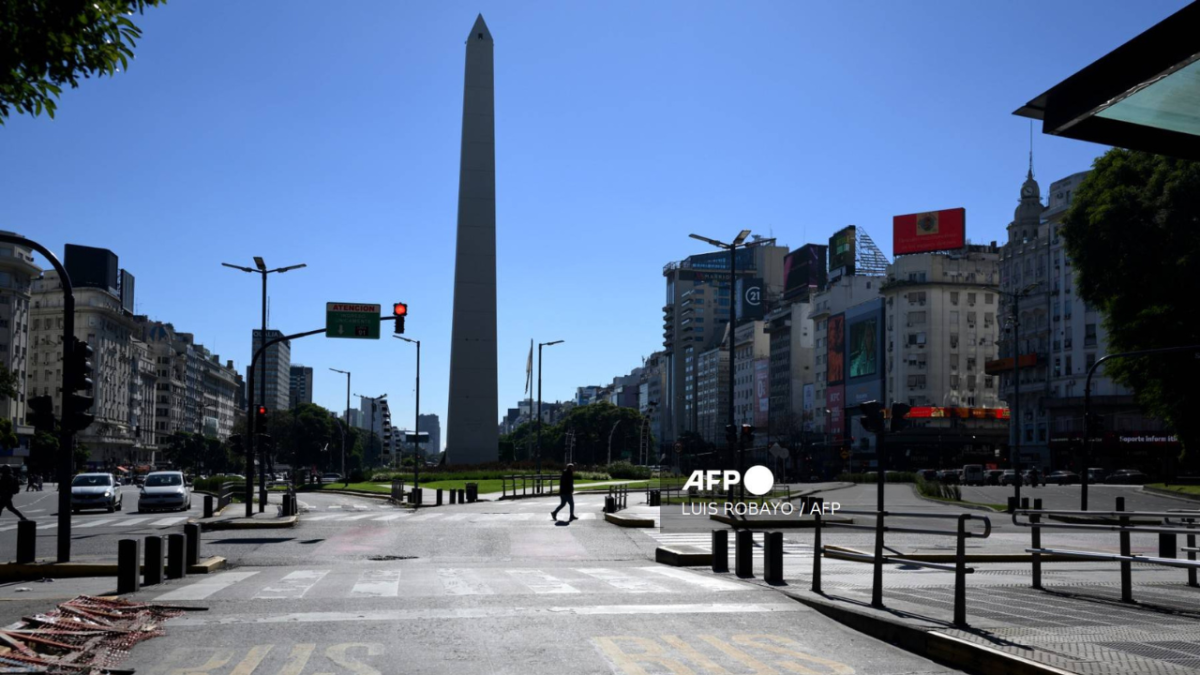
point(8, 437)
point(81, 455)
point(1133, 234)
point(8, 382)
point(44, 45)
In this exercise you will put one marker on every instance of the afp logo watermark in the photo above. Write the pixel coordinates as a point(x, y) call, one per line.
point(759, 480)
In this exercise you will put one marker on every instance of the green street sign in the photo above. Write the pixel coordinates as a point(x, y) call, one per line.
point(351, 320)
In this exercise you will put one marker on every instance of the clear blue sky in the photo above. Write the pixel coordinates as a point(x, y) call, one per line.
point(329, 134)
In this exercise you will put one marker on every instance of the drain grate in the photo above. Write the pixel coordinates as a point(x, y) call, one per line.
point(383, 558)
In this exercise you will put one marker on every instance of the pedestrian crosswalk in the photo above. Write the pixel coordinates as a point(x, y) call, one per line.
point(51, 522)
point(444, 516)
point(270, 583)
point(703, 541)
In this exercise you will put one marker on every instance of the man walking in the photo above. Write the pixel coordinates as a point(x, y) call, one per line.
point(8, 488)
point(566, 491)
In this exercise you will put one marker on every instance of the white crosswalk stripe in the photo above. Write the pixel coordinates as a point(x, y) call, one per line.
point(460, 582)
point(378, 584)
point(94, 523)
point(206, 587)
point(541, 582)
point(623, 581)
point(391, 517)
point(169, 521)
point(292, 586)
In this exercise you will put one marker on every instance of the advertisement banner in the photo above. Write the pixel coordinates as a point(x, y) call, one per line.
point(836, 341)
point(842, 249)
point(931, 231)
point(762, 391)
point(835, 400)
point(804, 270)
point(810, 398)
point(751, 300)
point(864, 348)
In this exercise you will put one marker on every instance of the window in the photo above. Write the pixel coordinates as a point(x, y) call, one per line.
point(1058, 366)
point(954, 297)
point(1089, 335)
point(988, 319)
point(954, 317)
point(989, 382)
point(954, 363)
point(988, 299)
point(954, 381)
point(1090, 360)
point(954, 341)
point(916, 318)
point(970, 364)
point(971, 299)
point(971, 319)
point(1069, 370)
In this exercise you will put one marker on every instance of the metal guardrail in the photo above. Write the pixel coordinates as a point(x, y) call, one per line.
point(397, 492)
point(878, 560)
point(538, 483)
point(1188, 525)
point(617, 498)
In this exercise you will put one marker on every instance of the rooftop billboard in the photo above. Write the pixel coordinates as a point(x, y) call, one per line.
point(931, 231)
point(804, 269)
point(842, 250)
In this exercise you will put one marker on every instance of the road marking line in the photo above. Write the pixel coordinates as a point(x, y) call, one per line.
point(455, 582)
point(357, 517)
point(206, 587)
point(708, 583)
point(131, 521)
point(94, 523)
point(168, 521)
point(293, 586)
point(456, 516)
point(622, 581)
point(325, 516)
point(541, 582)
point(194, 620)
point(428, 516)
point(394, 516)
point(378, 584)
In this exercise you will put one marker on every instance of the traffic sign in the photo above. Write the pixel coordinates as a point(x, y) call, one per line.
point(351, 320)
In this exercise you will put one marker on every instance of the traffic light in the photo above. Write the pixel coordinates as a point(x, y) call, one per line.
point(747, 433)
point(41, 413)
point(260, 417)
point(899, 413)
point(78, 398)
point(872, 416)
point(399, 310)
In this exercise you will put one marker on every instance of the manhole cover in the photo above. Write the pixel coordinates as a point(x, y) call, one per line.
point(392, 557)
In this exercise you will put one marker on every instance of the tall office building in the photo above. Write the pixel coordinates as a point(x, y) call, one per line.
point(431, 425)
point(17, 270)
point(301, 389)
point(274, 371)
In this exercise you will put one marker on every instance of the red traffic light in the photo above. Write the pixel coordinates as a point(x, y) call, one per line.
point(262, 410)
point(400, 309)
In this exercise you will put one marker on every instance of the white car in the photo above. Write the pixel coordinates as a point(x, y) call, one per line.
point(95, 491)
point(164, 490)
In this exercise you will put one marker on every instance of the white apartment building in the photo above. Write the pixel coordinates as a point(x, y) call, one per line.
point(17, 270)
point(752, 351)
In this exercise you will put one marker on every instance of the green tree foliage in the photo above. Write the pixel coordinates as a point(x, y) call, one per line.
point(8, 383)
point(44, 45)
point(8, 436)
point(81, 455)
point(592, 425)
point(1133, 234)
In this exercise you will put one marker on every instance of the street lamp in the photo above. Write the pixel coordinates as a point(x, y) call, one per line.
point(263, 271)
point(416, 417)
point(539, 408)
point(347, 418)
point(1015, 459)
point(732, 248)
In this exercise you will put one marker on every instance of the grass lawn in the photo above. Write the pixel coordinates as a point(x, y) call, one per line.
point(1182, 489)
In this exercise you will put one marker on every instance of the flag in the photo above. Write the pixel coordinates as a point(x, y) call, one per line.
point(529, 368)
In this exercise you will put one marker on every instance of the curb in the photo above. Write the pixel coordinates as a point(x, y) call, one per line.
point(931, 644)
point(777, 523)
point(277, 523)
point(355, 493)
point(55, 570)
point(1169, 493)
point(628, 521)
point(682, 556)
point(964, 505)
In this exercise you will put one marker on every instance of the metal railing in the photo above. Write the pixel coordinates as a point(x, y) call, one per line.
point(878, 560)
point(397, 492)
point(1173, 524)
point(225, 494)
point(522, 485)
point(616, 499)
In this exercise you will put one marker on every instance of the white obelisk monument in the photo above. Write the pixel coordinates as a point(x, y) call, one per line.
point(472, 436)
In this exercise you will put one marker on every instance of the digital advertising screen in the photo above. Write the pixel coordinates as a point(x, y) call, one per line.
point(836, 334)
point(931, 231)
point(864, 348)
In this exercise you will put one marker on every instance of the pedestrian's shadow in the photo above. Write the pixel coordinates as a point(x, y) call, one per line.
point(562, 523)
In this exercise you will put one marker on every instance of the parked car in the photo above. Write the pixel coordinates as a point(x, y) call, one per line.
point(1095, 475)
point(95, 491)
point(948, 476)
point(139, 479)
point(1033, 477)
point(164, 490)
point(1008, 477)
point(928, 474)
point(331, 478)
point(1127, 477)
point(972, 474)
point(993, 476)
point(1063, 478)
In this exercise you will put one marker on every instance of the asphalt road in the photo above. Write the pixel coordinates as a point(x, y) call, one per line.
point(492, 587)
point(94, 533)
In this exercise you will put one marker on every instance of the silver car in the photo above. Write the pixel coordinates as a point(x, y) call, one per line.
point(95, 491)
point(164, 490)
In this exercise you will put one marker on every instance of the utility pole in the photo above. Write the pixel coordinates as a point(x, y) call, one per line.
point(347, 418)
point(539, 405)
point(416, 417)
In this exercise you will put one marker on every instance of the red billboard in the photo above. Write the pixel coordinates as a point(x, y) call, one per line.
point(836, 344)
point(930, 231)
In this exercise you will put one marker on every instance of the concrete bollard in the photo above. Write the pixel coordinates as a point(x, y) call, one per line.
point(439, 496)
point(462, 496)
point(191, 533)
point(720, 550)
point(1012, 504)
point(453, 496)
point(26, 541)
point(152, 571)
point(208, 506)
point(129, 578)
point(176, 545)
point(743, 555)
point(610, 506)
point(773, 558)
point(1025, 503)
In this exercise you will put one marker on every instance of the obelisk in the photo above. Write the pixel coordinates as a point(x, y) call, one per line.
point(472, 436)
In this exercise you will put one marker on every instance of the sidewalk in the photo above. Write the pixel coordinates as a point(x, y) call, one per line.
point(233, 517)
